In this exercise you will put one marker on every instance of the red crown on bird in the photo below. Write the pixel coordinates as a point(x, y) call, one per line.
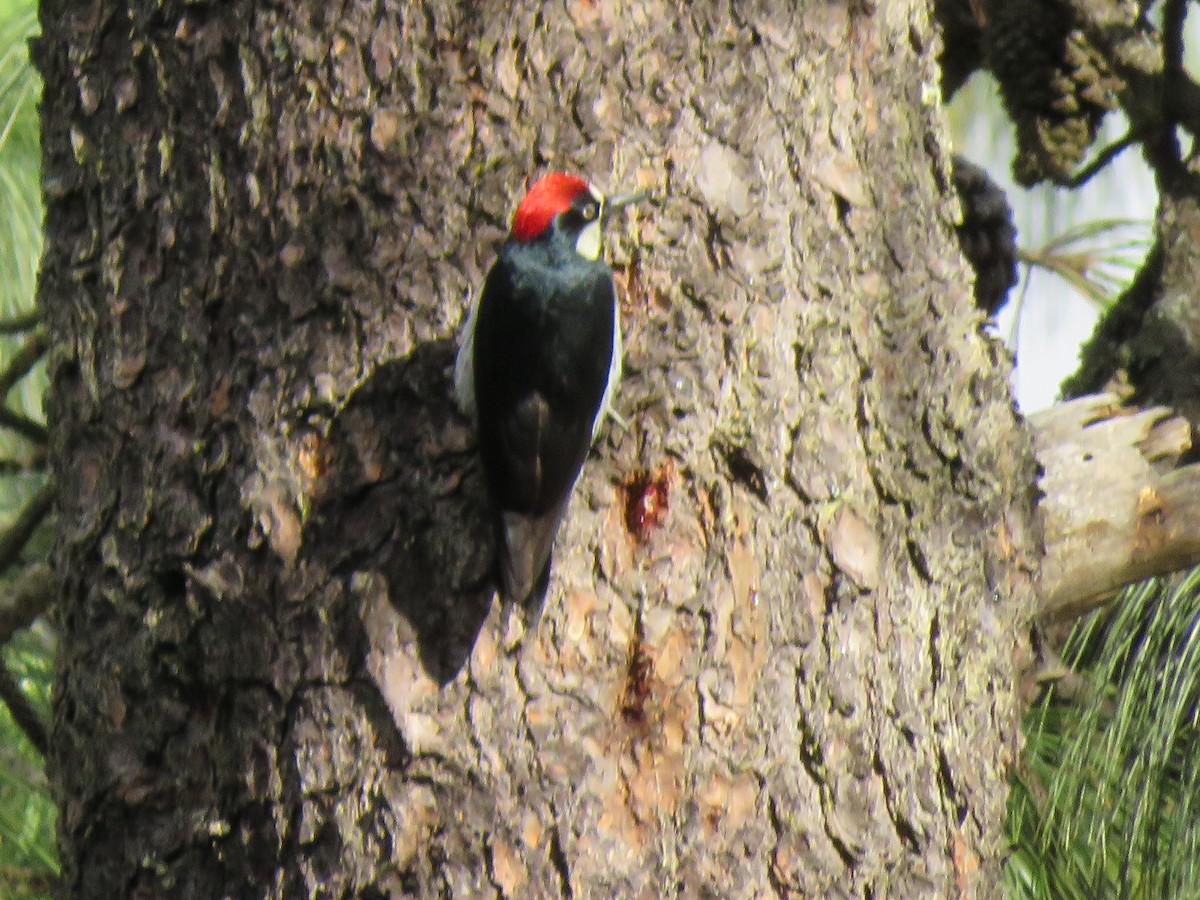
point(550, 195)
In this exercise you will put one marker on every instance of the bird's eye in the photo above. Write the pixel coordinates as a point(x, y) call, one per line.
point(590, 212)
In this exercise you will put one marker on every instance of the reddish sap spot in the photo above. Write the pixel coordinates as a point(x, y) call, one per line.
point(647, 499)
point(550, 195)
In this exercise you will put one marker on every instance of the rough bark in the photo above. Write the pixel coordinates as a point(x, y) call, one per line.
point(282, 671)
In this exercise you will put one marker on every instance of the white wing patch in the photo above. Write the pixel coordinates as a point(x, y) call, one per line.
point(464, 366)
point(614, 374)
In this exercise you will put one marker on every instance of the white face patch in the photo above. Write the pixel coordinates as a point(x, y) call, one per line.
point(588, 243)
point(591, 238)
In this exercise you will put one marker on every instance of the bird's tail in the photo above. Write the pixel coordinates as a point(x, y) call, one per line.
point(525, 544)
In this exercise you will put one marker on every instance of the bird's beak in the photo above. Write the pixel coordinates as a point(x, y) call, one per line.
point(617, 201)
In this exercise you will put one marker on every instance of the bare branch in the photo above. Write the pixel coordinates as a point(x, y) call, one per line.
point(18, 367)
point(31, 594)
point(23, 360)
point(13, 541)
point(1180, 97)
point(1174, 15)
point(36, 462)
point(1107, 155)
point(22, 710)
point(22, 425)
point(17, 324)
point(1116, 509)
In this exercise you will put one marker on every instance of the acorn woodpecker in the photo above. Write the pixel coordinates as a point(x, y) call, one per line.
point(539, 359)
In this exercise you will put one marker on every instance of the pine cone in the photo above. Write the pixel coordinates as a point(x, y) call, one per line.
point(1056, 86)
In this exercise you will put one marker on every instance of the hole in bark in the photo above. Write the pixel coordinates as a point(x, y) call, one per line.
point(172, 583)
point(744, 470)
point(949, 790)
point(842, 207)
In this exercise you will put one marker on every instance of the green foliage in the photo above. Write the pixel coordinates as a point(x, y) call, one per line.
point(28, 855)
point(20, 194)
point(1098, 258)
point(1107, 802)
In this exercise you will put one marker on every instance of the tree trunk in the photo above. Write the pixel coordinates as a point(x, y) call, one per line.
point(283, 672)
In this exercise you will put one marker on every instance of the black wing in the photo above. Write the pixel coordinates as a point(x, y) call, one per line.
point(543, 343)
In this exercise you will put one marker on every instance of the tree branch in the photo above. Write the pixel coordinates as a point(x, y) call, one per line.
point(22, 425)
point(35, 463)
point(1107, 155)
point(23, 360)
point(22, 710)
point(18, 367)
point(1117, 508)
point(20, 323)
point(31, 595)
point(13, 541)
point(1174, 16)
